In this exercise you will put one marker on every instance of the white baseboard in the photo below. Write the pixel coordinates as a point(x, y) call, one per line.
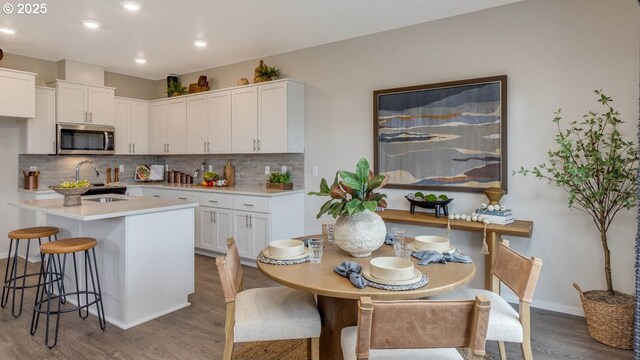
point(572, 310)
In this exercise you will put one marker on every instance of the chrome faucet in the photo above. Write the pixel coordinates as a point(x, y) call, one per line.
point(86, 162)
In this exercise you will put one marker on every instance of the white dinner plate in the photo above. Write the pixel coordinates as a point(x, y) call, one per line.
point(267, 254)
point(452, 249)
point(417, 275)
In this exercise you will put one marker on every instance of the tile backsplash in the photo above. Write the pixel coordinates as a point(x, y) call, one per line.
point(249, 168)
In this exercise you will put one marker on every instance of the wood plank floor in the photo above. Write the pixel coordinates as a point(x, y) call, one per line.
point(197, 332)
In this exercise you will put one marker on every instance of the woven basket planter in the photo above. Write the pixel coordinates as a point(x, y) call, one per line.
point(272, 186)
point(610, 324)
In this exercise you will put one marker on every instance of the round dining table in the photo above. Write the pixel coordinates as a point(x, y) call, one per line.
point(338, 298)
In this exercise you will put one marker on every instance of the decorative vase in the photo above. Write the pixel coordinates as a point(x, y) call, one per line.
point(494, 194)
point(360, 234)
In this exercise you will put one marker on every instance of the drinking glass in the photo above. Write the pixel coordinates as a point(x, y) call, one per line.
point(402, 250)
point(327, 232)
point(315, 249)
point(398, 234)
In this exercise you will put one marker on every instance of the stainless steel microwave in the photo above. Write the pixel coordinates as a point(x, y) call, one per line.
point(85, 139)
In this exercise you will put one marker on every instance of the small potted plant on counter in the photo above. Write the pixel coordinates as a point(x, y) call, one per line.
point(280, 181)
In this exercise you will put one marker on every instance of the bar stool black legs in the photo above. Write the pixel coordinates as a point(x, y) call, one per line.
point(50, 304)
point(14, 283)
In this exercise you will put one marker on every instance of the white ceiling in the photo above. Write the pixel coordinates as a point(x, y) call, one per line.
point(163, 31)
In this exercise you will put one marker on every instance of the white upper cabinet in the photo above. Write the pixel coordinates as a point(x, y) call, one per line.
point(177, 126)
point(270, 118)
point(139, 124)
point(244, 123)
point(197, 125)
point(220, 122)
point(38, 135)
point(17, 94)
point(158, 127)
point(260, 118)
point(131, 126)
point(84, 104)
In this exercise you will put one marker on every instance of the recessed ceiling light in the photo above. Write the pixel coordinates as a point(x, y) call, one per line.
point(130, 5)
point(141, 61)
point(200, 43)
point(91, 24)
point(5, 30)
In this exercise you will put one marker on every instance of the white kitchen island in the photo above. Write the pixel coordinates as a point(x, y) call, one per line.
point(144, 254)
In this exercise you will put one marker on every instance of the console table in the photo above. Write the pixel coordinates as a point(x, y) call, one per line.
point(520, 228)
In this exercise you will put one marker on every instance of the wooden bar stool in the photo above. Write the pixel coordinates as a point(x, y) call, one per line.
point(44, 305)
point(11, 277)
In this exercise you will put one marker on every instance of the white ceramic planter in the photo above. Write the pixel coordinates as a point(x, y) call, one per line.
point(360, 234)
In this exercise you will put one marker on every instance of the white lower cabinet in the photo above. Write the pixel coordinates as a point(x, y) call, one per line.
point(251, 219)
point(216, 226)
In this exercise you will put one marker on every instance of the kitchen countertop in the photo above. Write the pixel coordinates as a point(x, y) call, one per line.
point(236, 190)
point(89, 210)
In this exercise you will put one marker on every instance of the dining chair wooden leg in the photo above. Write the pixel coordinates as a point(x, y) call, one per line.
point(525, 321)
point(503, 352)
point(313, 348)
point(228, 331)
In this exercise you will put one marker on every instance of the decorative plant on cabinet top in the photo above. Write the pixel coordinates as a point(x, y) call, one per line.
point(597, 168)
point(359, 230)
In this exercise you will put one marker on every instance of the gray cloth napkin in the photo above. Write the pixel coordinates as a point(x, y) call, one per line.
point(352, 271)
point(390, 239)
point(429, 256)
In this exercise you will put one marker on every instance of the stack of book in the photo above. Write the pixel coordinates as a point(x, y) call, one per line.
point(497, 216)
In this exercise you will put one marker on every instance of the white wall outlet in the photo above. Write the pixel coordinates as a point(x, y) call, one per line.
point(314, 171)
point(121, 168)
point(284, 169)
point(33, 168)
point(267, 170)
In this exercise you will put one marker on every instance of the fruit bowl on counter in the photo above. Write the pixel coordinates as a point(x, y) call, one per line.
point(72, 190)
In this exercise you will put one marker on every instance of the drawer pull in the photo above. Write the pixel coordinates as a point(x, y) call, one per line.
point(156, 196)
point(213, 201)
point(182, 198)
point(250, 205)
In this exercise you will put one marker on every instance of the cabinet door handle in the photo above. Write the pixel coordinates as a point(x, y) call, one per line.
point(250, 221)
point(254, 144)
point(215, 216)
point(246, 221)
point(208, 146)
point(210, 216)
point(213, 201)
point(91, 116)
point(134, 148)
point(54, 146)
point(250, 205)
point(129, 148)
point(204, 144)
point(86, 117)
point(258, 145)
point(167, 147)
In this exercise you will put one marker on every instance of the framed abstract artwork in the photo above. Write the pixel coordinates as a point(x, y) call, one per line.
point(445, 136)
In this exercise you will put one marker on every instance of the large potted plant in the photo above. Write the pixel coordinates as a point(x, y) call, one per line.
point(354, 200)
point(597, 168)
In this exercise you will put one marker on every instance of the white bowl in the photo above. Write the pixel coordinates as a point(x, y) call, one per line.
point(286, 248)
point(391, 268)
point(432, 242)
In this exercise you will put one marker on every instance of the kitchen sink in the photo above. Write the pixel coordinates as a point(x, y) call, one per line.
point(105, 199)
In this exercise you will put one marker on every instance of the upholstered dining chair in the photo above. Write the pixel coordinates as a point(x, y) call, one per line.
point(264, 314)
point(417, 329)
point(520, 274)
